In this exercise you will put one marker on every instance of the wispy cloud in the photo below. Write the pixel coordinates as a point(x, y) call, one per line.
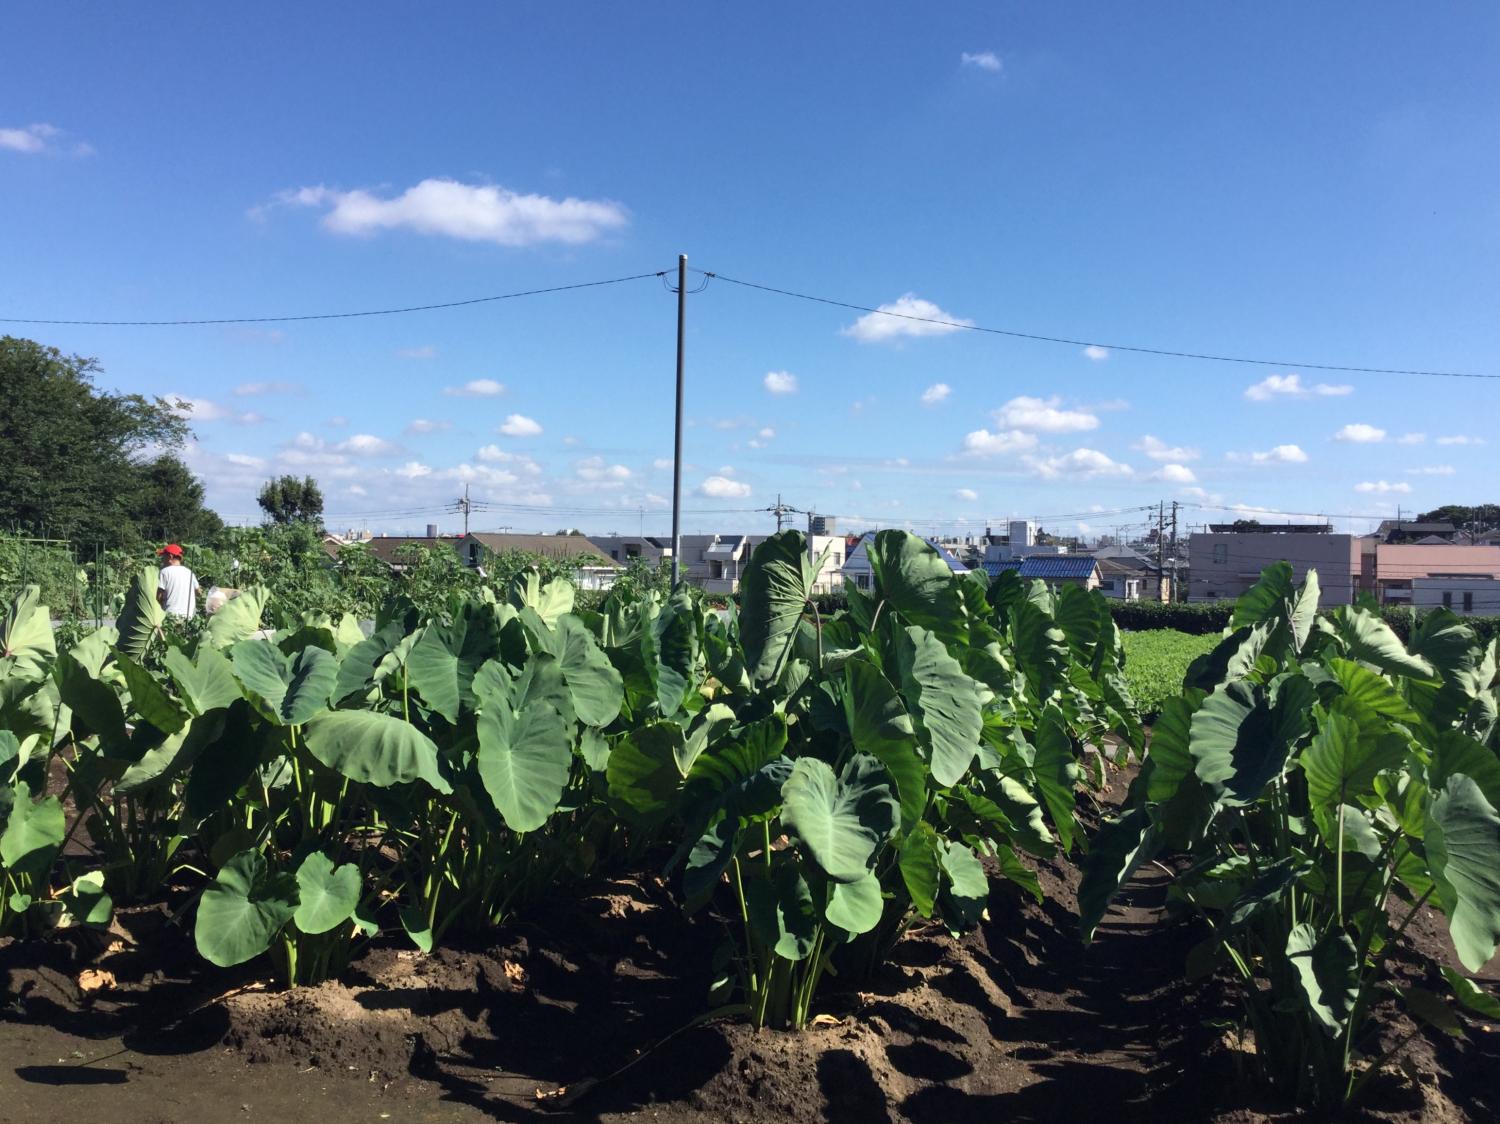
point(1175, 474)
point(1460, 439)
point(1431, 470)
point(1159, 450)
point(981, 60)
point(418, 426)
point(937, 392)
point(780, 382)
point(426, 351)
point(475, 388)
point(471, 212)
point(907, 315)
point(1096, 353)
point(968, 495)
point(983, 443)
point(1381, 487)
point(1083, 463)
point(1281, 454)
point(34, 140)
point(366, 445)
point(1411, 439)
point(1291, 386)
point(249, 389)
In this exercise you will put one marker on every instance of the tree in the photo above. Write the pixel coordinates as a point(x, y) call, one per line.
point(168, 504)
point(75, 458)
point(1482, 517)
point(289, 500)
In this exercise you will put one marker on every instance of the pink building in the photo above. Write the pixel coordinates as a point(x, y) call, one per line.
point(1465, 579)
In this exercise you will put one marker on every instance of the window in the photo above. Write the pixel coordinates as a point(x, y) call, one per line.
point(1469, 601)
point(863, 581)
point(615, 554)
point(632, 550)
point(1447, 599)
point(1107, 583)
point(1221, 553)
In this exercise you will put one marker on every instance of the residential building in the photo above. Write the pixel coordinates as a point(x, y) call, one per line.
point(1226, 563)
point(1406, 531)
point(1125, 583)
point(1018, 542)
point(1465, 579)
point(626, 548)
point(1056, 569)
point(593, 568)
point(858, 572)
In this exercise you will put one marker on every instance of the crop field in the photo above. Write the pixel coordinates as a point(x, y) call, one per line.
point(504, 854)
point(1156, 663)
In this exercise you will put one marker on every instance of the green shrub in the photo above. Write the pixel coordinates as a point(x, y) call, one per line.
point(1157, 661)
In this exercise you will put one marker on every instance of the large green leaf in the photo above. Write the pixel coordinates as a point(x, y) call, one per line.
point(550, 600)
point(1057, 772)
point(1077, 614)
point(1236, 744)
point(1302, 611)
point(1267, 599)
point(879, 725)
point(148, 699)
point(855, 906)
point(237, 618)
point(596, 687)
point(670, 645)
point(174, 755)
point(1452, 753)
point(1371, 691)
point(1370, 640)
point(915, 581)
point(26, 636)
point(773, 592)
point(524, 761)
point(242, 910)
point(1326, 970)
point(445, 657)
point(34, 830)
point(1040, 648)
point(142, 617)
point(1463, 850)
point(782, 913)
point(1115, 852)
point(947, 702)
point(1170, 759)
point(291, 689)
point(841, 820)
point(374, 748)
point(921, 867)
point(207, 682)
point(643, 772)
point(1341, 763)
point(224, 767)
point(326, 894)
point(95, 706)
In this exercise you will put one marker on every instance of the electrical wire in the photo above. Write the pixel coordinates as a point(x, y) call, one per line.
point(1038, 338)
point(333, 315)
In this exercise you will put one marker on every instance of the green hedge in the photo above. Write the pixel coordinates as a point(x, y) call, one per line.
point(1212, 617)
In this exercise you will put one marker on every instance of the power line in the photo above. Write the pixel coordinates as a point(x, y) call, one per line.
point(1038, 338)
point(331, 315)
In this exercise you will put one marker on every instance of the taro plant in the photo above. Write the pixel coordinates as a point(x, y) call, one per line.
point(1324, 782)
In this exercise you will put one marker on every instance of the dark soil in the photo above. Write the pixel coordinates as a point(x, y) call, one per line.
point(587, 1011)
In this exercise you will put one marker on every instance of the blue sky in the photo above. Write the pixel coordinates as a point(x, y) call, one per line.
point(1302, 182)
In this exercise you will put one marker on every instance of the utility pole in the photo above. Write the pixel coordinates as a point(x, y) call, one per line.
point(677, 433)
point(781, 511)
point(465, 507)
point(1161, 569)
point(1173, 587)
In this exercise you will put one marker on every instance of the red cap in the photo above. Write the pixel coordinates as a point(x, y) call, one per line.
point(171, 548)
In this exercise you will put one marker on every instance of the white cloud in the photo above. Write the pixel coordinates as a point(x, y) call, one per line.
point(767, 434)
point(1360, 434)
point(356, 490)
point(1159, 450)
point(908, 315)
point(1292, 386)
point(519, 425)
point(414, 470)
point(662, 463)
point(937, 392)
point(1281, 454)
point(1411, 439)
point(426, 425)
point(1096, 353)
point(983, 443)
point(1460, 439)
point(723, 488)
point(1431, 470)
point(1083, 463)
point(472, 212)
point(1042, 415)
point(1381, 487)
point(1175, 474)
point(780, 382)
point(338, 421)
point(984, 60)
point(595, 470)
point(245, 389)
point(475, 388)
point(426, 351)
point(244, 460)
point(34, 139)
point(204, 410)
point(366, 445)
point(968, 494)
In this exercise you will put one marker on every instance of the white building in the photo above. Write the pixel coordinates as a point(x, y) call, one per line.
point(858, 572)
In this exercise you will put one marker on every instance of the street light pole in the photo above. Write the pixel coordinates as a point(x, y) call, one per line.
point(677, 435)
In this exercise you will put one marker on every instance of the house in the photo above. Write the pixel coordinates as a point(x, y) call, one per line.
point(1465, 579)
point(593, 569)
point(625, 548)
point(858, 571)
point(1125, 583)
point(1227, 562)
point(1019, 542)
point(393, 549)
point(1056, 569)
point(1406, 531)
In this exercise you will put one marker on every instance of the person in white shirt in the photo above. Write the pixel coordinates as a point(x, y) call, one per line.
point(176, 588)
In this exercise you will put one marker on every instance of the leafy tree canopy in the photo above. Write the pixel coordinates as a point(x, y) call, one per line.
point(1485, 515)
point(84, 464)
point(287, 499)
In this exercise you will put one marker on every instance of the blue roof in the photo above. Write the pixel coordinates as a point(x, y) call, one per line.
point(1046, 566)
